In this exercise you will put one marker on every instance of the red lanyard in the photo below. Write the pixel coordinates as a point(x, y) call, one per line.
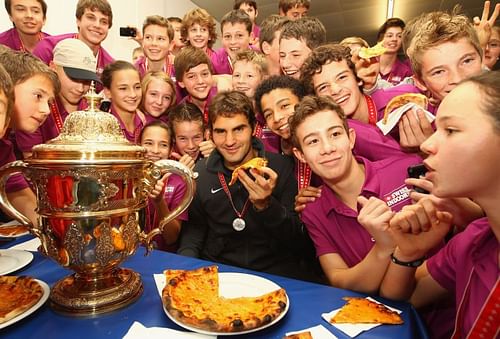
point(230, 64)
point(372, 111)
point(258, 130)
point(226, 190)
point(23, 48)
point(166, 68)
point(303, 174)
point(56, 115)
point(487, 323)
point(205, 108)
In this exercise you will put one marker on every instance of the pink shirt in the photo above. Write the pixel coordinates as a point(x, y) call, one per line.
point(173, 194)
point(141, 65)
point(139, 122)
point(333, 226)
point(270, 140)
point(399, 71)
point(220, 62)
point(16, 182)
point(472, 254)
point(11, 39)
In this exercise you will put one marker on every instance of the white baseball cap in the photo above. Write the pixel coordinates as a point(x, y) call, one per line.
point(77, 59)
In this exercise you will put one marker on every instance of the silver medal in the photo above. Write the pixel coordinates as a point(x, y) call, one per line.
point(239, 224)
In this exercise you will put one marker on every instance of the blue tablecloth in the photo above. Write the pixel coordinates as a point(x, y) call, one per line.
point(307, 302)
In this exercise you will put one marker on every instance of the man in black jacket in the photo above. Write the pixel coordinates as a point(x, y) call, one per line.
point(252, 223)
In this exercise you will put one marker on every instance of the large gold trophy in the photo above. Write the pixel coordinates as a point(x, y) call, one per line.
point(91, 185)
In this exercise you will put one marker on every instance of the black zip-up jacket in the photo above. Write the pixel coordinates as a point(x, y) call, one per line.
point(274, 240)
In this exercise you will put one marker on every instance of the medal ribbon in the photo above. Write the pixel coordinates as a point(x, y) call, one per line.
point(23, 49)
point(166, 68)
point(372, 111)
point(487, 322)
point(56, 115)
point(303, 174)
point(258, 130)
point(226, 190)
point(205, 109)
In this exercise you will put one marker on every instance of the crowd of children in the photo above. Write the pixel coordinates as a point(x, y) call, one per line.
point(333, 203)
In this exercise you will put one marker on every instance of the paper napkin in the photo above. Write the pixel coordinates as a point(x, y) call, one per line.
point(317, 332)
point(353, 330)
point(395, 116)
point(139, 331)
point(160, 281)
point(30, 245)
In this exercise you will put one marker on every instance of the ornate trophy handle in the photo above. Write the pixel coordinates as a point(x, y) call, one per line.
point(5, 173)
point(160, 168)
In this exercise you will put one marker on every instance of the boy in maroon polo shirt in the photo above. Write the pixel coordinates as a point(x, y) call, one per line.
point(194, 75)
point(329, 71)
point(157, 34)
point(392, 69)
point(94, 18)
point(34, 86)
point(298, 38)
point(236, 29)
point(28, 18)
point(75, 66)
point(350, 244)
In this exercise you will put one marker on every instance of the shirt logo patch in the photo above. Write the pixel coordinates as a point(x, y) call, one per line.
point(213, 191)
point(397, 196)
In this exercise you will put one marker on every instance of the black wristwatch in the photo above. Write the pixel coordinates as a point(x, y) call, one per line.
point(414, 263)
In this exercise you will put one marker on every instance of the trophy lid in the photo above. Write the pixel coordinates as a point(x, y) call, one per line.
point(90, 135)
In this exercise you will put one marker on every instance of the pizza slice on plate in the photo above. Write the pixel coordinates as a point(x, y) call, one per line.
point(17, 294)
point(365, 311)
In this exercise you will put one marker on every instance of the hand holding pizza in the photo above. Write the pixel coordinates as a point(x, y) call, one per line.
point(261, 187)
point(412, 131)
point(418, 228)
point(374, 216)
point(366, 69)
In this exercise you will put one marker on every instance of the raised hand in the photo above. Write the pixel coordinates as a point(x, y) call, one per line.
point(418, 228)
point(157, 192)
point(185, 159)
point(261, 187)
point(374, 216)
point(206, 147)
point(484, 24)
point(412, 131)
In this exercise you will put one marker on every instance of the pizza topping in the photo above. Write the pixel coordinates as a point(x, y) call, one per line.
point(401, 100)
point(253, 163)
point(17, 294)
point(362, 310)
point(372, 52)
point(192, 297)
point(10, 231)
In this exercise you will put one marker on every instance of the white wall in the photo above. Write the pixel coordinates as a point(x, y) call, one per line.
point(61, 19)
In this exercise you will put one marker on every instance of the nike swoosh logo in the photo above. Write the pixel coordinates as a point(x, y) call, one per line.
point(215, 190)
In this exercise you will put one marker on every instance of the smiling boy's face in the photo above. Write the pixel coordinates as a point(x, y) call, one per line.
point(235, 38)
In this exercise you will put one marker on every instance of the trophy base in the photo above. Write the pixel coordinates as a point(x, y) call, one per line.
point(78, 295)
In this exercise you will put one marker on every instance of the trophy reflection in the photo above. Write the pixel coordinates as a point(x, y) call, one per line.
point(91, 185)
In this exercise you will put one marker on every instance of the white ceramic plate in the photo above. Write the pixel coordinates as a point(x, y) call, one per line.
point(12, 223)
point(43, 299)
point(12, 260)
point(234, 285)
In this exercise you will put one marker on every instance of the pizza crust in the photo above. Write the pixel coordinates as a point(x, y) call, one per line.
point(253, 163)
point(400, 100)
point(192, 297)
point(17, 294)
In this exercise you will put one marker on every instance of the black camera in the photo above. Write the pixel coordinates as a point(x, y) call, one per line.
point(128, 31)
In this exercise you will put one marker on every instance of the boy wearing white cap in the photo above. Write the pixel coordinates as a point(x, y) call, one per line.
point(75, 65)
